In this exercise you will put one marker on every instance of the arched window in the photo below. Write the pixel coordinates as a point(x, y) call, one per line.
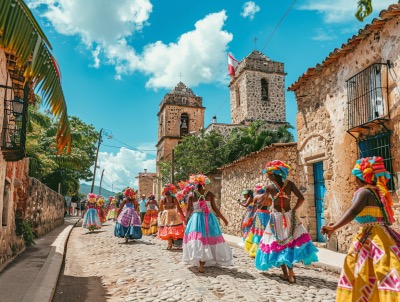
point(184, 124)
point(264, 90)
point(237, 92)
point(184, 100)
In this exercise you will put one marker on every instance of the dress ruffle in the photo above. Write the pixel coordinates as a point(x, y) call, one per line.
point(248, 221)
point(170, 225)
point(128, 224)
point(149, 224)
point(91, 220)
point(261, 219)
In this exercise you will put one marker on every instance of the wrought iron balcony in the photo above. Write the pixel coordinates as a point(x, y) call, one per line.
point(367, 94)
point(13, 136)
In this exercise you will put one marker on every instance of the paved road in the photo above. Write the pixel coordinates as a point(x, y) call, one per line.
point(100, 267)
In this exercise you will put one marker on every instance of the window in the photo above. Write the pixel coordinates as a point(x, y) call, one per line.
point(184, 124)
point(237, 93)
point(264, 90)
point(378, 145)
point(184, 100)
point(367, 95)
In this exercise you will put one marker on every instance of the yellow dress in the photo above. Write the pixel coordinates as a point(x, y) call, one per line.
point(371, 271)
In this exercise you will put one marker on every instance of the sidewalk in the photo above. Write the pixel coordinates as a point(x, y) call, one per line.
point(328, 260)
point(32, 276)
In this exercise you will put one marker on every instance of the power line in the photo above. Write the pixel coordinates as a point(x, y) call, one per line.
point(279, 23)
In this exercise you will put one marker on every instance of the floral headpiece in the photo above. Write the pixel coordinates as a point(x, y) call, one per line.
point(372, 171)
point(277, 167)
point(259, 188)
point(91, 197)
point(151, 197)
point(112, 199)
point(180, 195)
point(199, 179)
point(182, 184)
point(100, 200)
point(169, 188)
point(130, 193)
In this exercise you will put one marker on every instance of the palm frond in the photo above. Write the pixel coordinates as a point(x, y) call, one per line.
point(22, 35)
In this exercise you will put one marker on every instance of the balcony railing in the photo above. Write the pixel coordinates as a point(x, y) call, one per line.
point(13, 136)
point(367, 94)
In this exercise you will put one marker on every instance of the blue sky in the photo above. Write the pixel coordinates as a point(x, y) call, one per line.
point(118, 58)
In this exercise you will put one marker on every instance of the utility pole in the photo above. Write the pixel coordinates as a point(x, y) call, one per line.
point(101, 181)
point(172, 166)
point(95, 162)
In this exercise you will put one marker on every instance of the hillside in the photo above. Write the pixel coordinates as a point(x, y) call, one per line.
point(85, 189)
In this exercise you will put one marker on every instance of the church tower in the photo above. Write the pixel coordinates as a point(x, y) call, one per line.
point(257, 91)
point(181, 113)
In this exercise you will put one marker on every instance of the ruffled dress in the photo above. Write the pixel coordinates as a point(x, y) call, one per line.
point(260, 221)
point(128, 223)
point(149, 224)
point(287, 245)
point(371, 270)
point(170, 225)
point(203, 239)
point(102, 214)
point(248, 221)
point(112, 212)
point(91, 219)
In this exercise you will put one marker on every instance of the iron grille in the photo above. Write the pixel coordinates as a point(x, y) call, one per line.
point(367, 94)
point(378, 145)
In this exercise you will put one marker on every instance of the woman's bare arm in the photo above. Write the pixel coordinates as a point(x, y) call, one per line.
point(215, 208)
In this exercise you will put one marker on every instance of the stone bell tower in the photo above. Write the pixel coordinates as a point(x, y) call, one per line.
point(257, 91)
point(181, 113)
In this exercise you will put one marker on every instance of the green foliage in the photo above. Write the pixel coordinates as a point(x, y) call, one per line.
point(52, 168)
point(165, 171)
point(364, 9)
point(23, 228)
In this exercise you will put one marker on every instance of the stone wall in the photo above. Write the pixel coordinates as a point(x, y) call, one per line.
point(146, 183)
point(222, 129)
point(215, 185)
point(245, 173)
point(322, 122)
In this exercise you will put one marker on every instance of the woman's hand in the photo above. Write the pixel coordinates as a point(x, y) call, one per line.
point(328, 230)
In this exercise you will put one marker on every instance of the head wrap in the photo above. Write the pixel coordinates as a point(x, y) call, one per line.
point(130, 193)
point(91, 197)
point(199, 179)
point(170, 188)
point(277, 167)
point(372, 171)
point(259, 188)
point(245, 191)
point(100, 200)
point(151, 197)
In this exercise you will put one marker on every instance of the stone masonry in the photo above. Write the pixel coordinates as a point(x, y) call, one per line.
point(322, 119)
point(245, 173)
point(146, 183)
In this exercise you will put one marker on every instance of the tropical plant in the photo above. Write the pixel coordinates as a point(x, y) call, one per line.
point(21, 35)
point(364, 9)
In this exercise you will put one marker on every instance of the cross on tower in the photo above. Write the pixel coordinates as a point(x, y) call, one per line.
point(255, 43)
point(180, 77)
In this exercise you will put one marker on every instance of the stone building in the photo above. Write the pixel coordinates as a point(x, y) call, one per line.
point(244, 173)
point(146, 183)
point(348, 107)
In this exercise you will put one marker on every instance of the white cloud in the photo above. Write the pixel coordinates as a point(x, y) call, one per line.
point(106, 26)
point(340, 11)
point(322, 35)
point(122, 168)
point(250, 8)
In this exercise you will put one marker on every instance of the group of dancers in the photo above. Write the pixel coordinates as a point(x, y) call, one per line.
point(275, 237)
point(272, 233)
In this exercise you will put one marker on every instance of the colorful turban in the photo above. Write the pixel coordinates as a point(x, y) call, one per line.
point(199, 179)
point(91, 197)
point(169, 188)
point(259, 188)
point(130, 193)
point(277, 167)
point(100, 200)
point(245, 191)
point(372, 171)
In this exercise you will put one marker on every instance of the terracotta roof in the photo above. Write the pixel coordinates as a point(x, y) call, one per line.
point(386, 15)
point(273, 146)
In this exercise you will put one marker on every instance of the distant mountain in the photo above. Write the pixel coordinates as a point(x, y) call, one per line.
point(85, 189)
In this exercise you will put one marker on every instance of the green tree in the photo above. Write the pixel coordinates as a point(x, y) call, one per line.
point(364, 9)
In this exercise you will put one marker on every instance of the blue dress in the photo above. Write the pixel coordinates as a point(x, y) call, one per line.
point(128, 223)
point(91, 219)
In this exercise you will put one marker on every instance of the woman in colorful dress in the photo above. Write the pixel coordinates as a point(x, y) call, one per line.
point(128, 224)
point(170, 224)
point(247, 221)
point(285, 240)
point(100, 209)
point(203, 244)
point(112, 209)
point(91, 219)
point(372, 266)
point(149, 224)
point(261, 218)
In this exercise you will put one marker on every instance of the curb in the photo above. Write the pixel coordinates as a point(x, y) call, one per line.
point(43, 287)
point(4, 265)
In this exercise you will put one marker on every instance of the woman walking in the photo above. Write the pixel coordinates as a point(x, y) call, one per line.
point(149, 224)
point(203, 244)
point(250, 211)
point(91, 219)
point(128, 224)
point(112, 209)
point(170, 224)
point(372, 266)
point(285, 240)
point(261, 218)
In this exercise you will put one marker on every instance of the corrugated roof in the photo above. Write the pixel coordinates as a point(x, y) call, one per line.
point(273, 146)
point(376, 24)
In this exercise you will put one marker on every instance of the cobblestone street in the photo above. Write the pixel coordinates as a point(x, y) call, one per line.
point(145, 271)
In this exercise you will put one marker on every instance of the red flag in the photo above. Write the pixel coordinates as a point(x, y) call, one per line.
point(232, 64)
